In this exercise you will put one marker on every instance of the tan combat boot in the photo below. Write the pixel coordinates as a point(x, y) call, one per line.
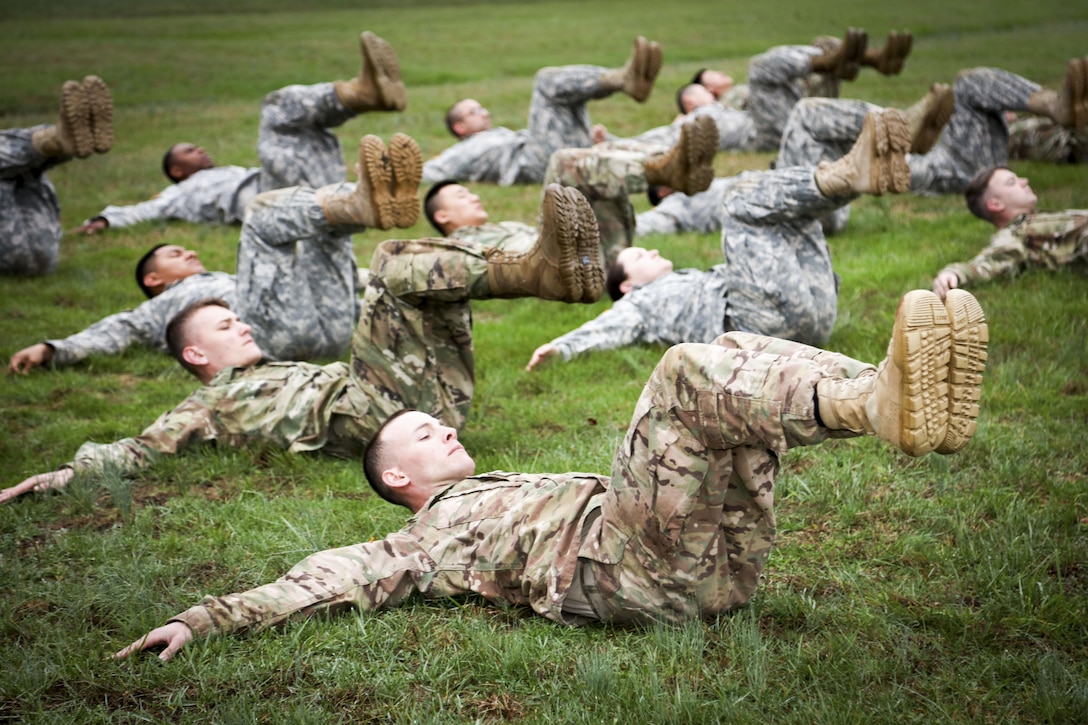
point(565, 262)
point(687, 167)
point(636, 78)
point(72, 135)
point(407, 162)
point(905, 402)
point(890, 58)
point(877, 162)
point(378, 87)
point(927, 118)
point(970, 336)
point(844, 61)
point(370, 203)
point(1069, 106)
point(99, 102)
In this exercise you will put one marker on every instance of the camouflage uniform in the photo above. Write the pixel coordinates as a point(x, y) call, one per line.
point(1042, 239)
point(294, 145)
point(678, 213)
point(681, 529)
point(411, 349)
point(557, 119)
point(30, 228)
point(777, 79)
point(777, 277)
point(1037, 138)
point(296, 285)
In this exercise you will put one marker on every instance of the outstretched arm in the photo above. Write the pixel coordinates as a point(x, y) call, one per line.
point(541, 354)
point(31, 357)
point(93, 226)
point(38, 483)
point(172, 636)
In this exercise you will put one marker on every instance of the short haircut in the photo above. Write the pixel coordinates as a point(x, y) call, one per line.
point(430, 202)
point(167, 162)
point(374, 462)
point(653, 193)
point(146, 266)
point(680, 93)
point(452, 117)
point(975, 193)
point(616, 276)
point(698, 77)
point(177, 337)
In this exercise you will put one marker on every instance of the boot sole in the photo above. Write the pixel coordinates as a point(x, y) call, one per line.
point(589, 263)
point(939, 108)
point(100, 104)
point(921, 351)
point(375, 181)
point(75, 118)
point(889, 172)
point(646, 65)
point(701, 144)
point(970, 337)
point(407, 162)
point(561, 221)
point(384, 68)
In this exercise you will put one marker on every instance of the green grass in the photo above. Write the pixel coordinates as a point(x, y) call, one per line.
point(901, 590)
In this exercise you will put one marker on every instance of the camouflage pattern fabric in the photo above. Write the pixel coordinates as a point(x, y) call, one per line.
point(607, 177)
point(681, 529)
point(513, 237)
point(558, 118)
point(412, 348)
point(678, 213)
point(30, 227)
point(1036, 138)
point(1044, 239)
point(294, 145)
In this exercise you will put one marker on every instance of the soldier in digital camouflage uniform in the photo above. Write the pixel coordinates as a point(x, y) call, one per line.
point(776, 279)
point(778, 79)
point(30, 227)
point(974, 137)
point(557, 119)
point(295, 145)
point(412, 348)
point(604, 174)
point(682, 528)
point(296, 271)
point(1025, 239)
point(1036, 138)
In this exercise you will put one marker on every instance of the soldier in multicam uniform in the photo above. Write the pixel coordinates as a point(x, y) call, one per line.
point(295, 144)
point(557, 119)
point(777, 80)
point(683, 526)
point(1025, 238)
point(777, 277)
point(606, 176)
point(30, 229)
point(1037, 138)
point(974, 137)
point(296, 280)
point(412, 348)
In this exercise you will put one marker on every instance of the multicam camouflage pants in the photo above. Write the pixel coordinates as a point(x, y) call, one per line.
point(607, 177)
point(30, 227)
point(688, 519)
point(1040, 139)
point(294, 143)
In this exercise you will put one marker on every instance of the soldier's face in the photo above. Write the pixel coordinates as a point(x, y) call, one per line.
point(458, 207)
point(173, 262)
point(186, 159)
point(1013, 193)
point(642, 266)
point(697, 96)
point(716, 82)
point(425, 451)
point(222, 339)
point(474, 117)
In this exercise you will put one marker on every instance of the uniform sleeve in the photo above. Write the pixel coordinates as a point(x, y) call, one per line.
point(1005, 256)
point(655, 221)
point(454, 163)
point(621, 325)
point(189, 424)
point(126, 216)
point(111, 335)
point(365, 577)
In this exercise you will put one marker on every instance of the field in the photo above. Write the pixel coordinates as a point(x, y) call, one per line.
point(938, 589)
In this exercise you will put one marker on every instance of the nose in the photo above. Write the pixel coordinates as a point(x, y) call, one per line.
point(243, 328)
point(449, 434)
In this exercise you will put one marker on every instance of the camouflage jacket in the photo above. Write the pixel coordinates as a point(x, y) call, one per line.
point(213, 196)
point(1042, 239)
point(497, 155)
point(146, 324)
point(289, 405)
point(684, 306)
point(677, 213)
point(511, 537)
point(512, 237)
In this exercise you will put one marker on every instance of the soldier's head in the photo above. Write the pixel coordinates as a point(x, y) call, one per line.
point(693, 96)
point(998, 195)
point(412, 456)
point(450, 206)
point(467, 117)
point(182, 160)
point(634, 266)
point(713, 80)
point(208, 337)
point(656, 193)
point(164, 264)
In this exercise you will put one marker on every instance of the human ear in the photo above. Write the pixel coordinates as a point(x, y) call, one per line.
point(394, 477)
point(194, 355)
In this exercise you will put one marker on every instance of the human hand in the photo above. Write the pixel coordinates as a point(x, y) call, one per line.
point(92, 226)
point(944, 282)
point(541, 354)
point(171, 636)
point(29, 358)
point(600, 133)
point(38, 483)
